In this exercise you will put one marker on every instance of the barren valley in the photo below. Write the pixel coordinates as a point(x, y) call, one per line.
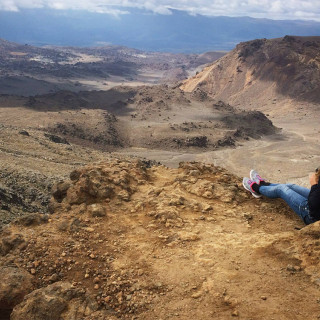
point(124, 200)
point(27, 70)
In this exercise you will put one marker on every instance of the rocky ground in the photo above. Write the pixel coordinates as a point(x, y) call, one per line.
point(31, 162)
point(132, 240)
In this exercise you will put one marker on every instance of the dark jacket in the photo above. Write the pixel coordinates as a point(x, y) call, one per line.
point(314, 201)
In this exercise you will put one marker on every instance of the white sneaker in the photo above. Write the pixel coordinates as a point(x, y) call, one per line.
point(247, 184)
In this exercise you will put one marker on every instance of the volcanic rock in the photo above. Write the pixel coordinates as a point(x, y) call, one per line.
point(56, 301)
point(14, 285)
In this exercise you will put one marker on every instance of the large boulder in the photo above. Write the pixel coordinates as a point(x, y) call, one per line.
point(57, 301)
point(14, 285)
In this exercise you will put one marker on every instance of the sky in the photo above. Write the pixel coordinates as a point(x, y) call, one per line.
point(271, 9)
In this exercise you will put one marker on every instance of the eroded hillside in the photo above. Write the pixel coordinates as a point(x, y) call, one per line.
point(261, 71)
point(127, 240)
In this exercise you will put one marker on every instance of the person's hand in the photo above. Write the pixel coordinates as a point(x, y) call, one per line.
point(313, 179)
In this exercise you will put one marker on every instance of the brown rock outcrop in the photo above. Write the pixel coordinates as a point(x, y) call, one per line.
point(54, 302)
point(99, 183)
point(14, 285)
point(10, 241)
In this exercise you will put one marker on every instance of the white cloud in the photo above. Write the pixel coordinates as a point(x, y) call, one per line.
point(272, 9)
point(8, 5)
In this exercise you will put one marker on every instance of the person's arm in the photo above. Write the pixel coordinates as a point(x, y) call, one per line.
point(313, 179)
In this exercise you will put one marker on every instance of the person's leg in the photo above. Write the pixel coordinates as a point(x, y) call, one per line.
point(298, 189)
point(254, 176)
point(295, 196)
point(301, 190)
point(270, 191)
point(297, 202)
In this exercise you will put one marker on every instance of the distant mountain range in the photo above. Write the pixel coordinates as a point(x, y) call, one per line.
point(179, 32)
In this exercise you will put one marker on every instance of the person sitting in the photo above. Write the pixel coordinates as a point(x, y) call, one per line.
point(303, 201)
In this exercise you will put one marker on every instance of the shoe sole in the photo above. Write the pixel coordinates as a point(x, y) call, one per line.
point(255, 195)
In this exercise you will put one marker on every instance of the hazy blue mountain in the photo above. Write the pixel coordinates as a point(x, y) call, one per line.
point(179, 32)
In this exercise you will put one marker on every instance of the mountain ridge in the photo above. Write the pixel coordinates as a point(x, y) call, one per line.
point(261, 70)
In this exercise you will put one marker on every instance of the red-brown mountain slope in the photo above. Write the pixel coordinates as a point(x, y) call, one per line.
point(261, 71)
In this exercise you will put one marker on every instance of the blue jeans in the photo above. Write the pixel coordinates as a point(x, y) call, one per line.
point(295, 196)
